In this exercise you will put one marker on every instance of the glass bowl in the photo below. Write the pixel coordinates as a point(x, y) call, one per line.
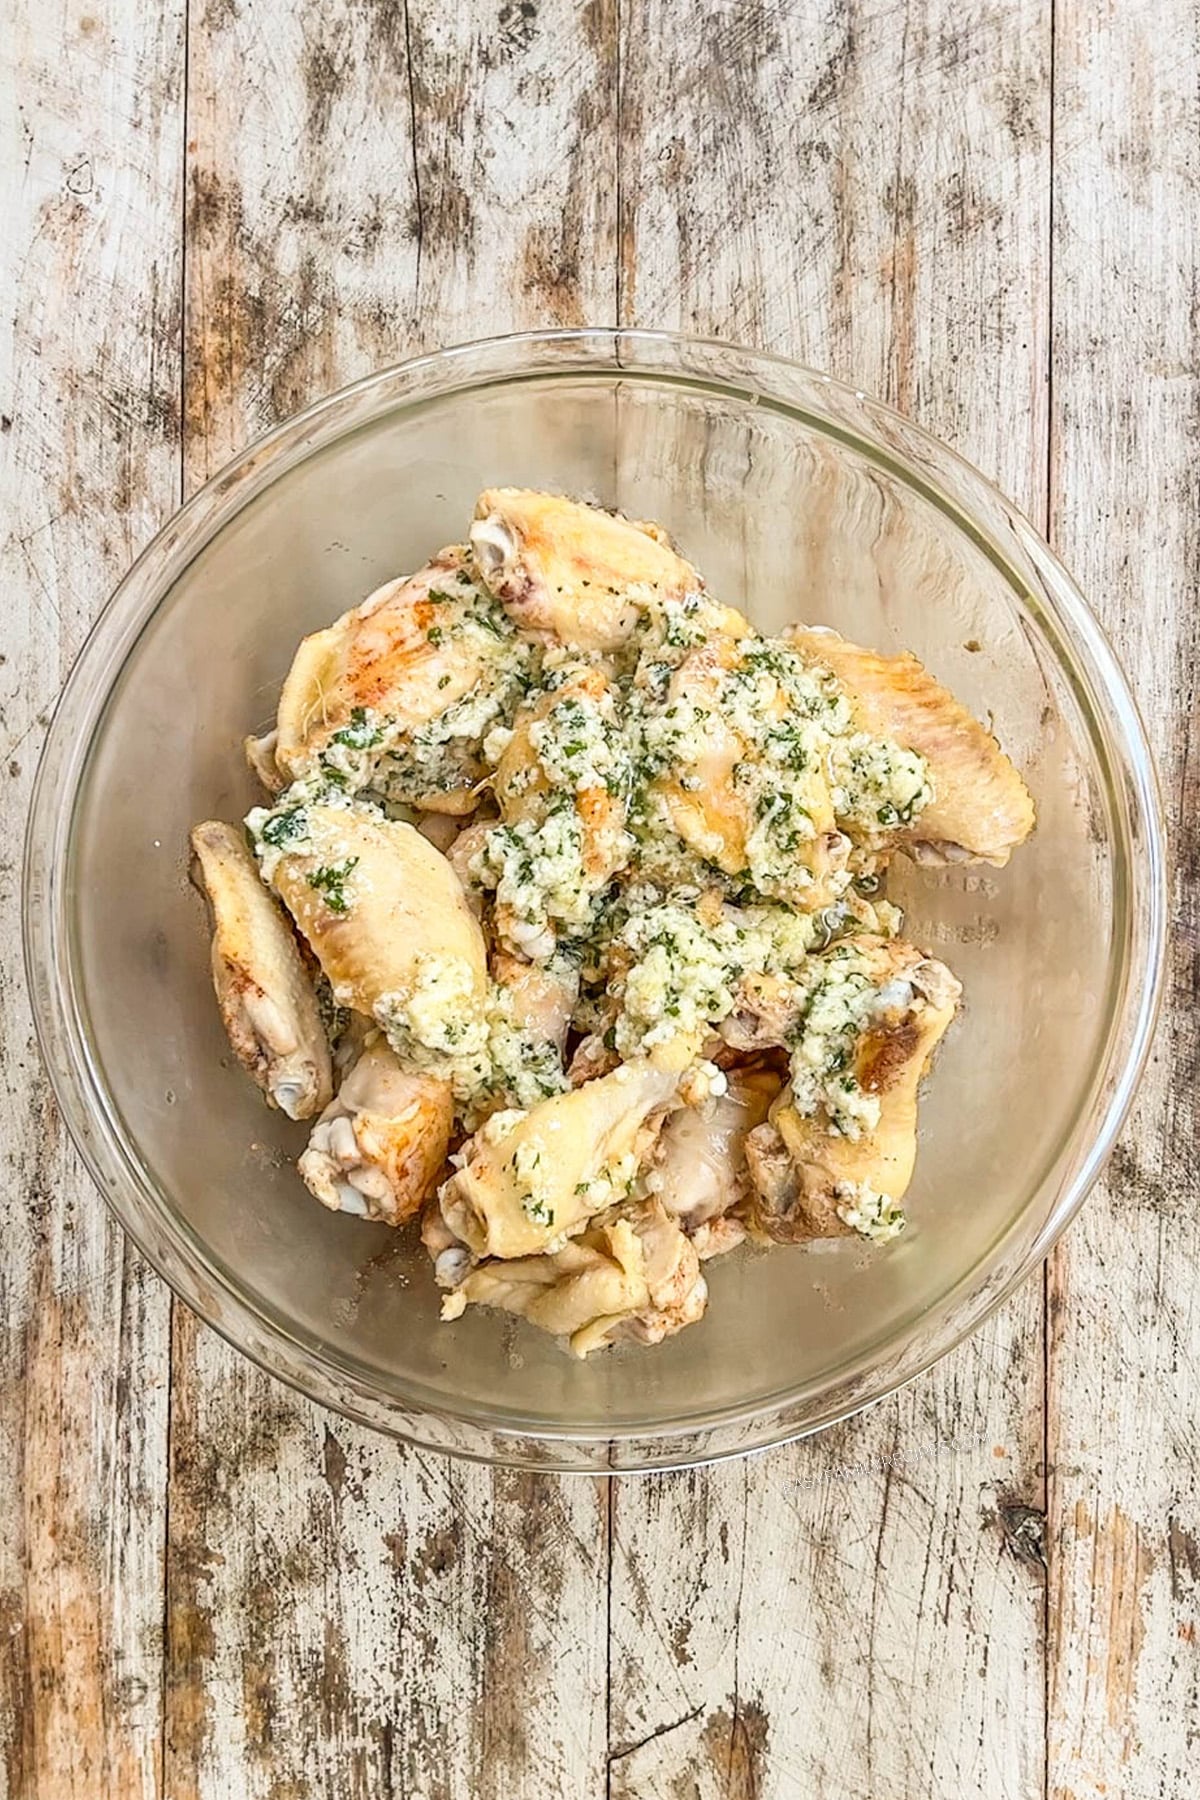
point(798, 498)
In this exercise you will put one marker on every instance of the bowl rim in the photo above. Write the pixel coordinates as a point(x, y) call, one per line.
point(309, 1365)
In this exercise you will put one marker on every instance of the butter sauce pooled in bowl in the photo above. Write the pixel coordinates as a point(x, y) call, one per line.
point(654, 887)
point(622, 934)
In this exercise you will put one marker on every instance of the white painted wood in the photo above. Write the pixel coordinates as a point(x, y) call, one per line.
point(865, 185)
point(837, 1625)
point(353, 1618)
point(345, 1617)
point(1124, 1518)
point(865, 188)
point(90, 180)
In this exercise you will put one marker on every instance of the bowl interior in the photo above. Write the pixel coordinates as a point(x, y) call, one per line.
point(787, 517)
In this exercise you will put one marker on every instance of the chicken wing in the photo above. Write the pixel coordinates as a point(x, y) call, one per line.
point(526, 1178)
point(981, 809)
point(573, 571)
point(699, 1164)
point(836, 1154)
point(266, 998)
point(381, 1143)
point(361, 693)
point(562, 786)
point(741, 772)
point(635, 1276)
point(388, 920)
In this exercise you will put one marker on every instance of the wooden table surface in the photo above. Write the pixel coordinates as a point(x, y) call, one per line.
point(985, 210)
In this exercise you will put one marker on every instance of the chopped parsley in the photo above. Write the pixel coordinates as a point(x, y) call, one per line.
point(360, 733)
point(330, 882)
point(285, 827)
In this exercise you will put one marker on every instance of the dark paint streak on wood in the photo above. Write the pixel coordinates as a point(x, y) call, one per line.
point(1183, 1554)
point(324, 76)
point(190, 1639)
point(410, 74)
point(508, 1665)
point(439, 1554)
point(333, 1459)
point(16, 1693)
point(517, 23)
point(387, 36)
point(1023, 1529)
point(622, 1751)
point(260, 1605)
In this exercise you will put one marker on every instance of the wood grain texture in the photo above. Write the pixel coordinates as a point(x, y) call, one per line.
point(344, 1617)
point(865, 188)
point(865, 184)
point(362, 183)
point(89, 385)
point(1124, 1521)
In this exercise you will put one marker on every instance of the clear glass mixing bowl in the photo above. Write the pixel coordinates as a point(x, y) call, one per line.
point(797, 497)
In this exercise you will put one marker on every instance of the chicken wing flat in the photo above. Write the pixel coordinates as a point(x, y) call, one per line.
point(267, 1001)
point(366, 693)
point(572, 571)
point(980, 809)
point(527, 1178)
point(632, 1277)
point(387, 918)
point(743, 781)
point(837, 1152)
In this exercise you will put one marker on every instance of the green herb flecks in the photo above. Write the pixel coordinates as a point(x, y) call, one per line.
point(285, 827)
point(360, 733)
point(330, 882)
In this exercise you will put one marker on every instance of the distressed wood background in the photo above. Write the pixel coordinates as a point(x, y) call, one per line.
point(986, 210)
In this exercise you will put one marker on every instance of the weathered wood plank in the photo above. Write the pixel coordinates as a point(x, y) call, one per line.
point(856, 1616)
point(516, 162)
point(348, 1617)
point(1124, 1504)
point(364, 183)
point(864, 187)
point(90, 169)
point(344, 1616)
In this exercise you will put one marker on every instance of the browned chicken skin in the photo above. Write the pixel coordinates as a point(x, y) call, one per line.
point(403, 655)
point(981, 809)
point(595, 868)
point(380, 1145)
point(708, 805)
point(573, 571)
point(811, 1180)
